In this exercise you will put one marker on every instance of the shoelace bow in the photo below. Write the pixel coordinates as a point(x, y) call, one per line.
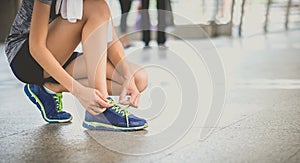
point(120, 109)
point(58, 99)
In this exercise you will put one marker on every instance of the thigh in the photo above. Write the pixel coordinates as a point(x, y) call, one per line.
point(115, 80)
point(63, 37)
point(114, 75)
point(25, 68)
point(77, 67)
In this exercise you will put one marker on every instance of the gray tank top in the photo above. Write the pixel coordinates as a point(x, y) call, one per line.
point(19, 32)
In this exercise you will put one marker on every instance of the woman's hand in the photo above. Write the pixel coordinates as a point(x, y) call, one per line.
point(92, 100)
point(129, 88)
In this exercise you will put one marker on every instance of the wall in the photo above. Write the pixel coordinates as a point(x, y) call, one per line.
point(8, 10)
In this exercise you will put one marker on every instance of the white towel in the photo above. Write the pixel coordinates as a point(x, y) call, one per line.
point(72, 11)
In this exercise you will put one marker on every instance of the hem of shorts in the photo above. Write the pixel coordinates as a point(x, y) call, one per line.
point(48, 3)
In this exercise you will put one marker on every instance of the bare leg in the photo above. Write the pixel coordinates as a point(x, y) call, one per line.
point(63, 37)
point(113, 79)
point(114, 88)
point(97, 70)
point(139, 74)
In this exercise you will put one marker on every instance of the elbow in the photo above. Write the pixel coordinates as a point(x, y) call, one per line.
point(32, 49)
point(35, 48)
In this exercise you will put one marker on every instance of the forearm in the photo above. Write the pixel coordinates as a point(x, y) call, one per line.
point(38, 47)
point(48, 62)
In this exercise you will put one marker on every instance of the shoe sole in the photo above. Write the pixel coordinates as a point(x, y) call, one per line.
point(33, 98)
point(103, 126)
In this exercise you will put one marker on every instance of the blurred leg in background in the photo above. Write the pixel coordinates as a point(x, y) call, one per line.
point(161, 9)
point(146, 22)
point(161, 35)
point(125, 7)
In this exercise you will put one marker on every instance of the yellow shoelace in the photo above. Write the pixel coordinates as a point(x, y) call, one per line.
point(120, 109)
point(58, 99)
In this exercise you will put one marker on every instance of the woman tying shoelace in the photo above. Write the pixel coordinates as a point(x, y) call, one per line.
point(40, 50)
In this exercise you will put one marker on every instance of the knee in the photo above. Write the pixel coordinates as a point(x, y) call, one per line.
point(96, 9)
point(141, 79)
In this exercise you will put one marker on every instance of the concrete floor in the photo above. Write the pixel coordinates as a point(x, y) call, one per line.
point(260, 120)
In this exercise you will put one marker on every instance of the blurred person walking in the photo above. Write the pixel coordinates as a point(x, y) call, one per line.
point(125, 8)
point(162, 7)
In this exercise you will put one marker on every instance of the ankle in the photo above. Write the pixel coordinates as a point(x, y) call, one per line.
point(52, 88)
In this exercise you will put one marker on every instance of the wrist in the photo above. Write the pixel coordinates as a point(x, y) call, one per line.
point(76, 87)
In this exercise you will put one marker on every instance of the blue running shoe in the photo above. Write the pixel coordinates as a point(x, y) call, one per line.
point(50, 105)
point(114, 118)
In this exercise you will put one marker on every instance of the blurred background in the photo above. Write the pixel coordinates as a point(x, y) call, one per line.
point(254, 43)
point(217, 17)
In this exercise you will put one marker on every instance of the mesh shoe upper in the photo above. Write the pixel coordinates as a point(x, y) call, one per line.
point(52, 103)
point(116, 115)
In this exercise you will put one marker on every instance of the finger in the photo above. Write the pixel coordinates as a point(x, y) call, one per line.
point(133, 99)
point(125, 102)
point(100, 95)
point(91, 111)
point(102, 103)
point(122, 97)
point(98, 109)
point(101, 100)
point(137, 100)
